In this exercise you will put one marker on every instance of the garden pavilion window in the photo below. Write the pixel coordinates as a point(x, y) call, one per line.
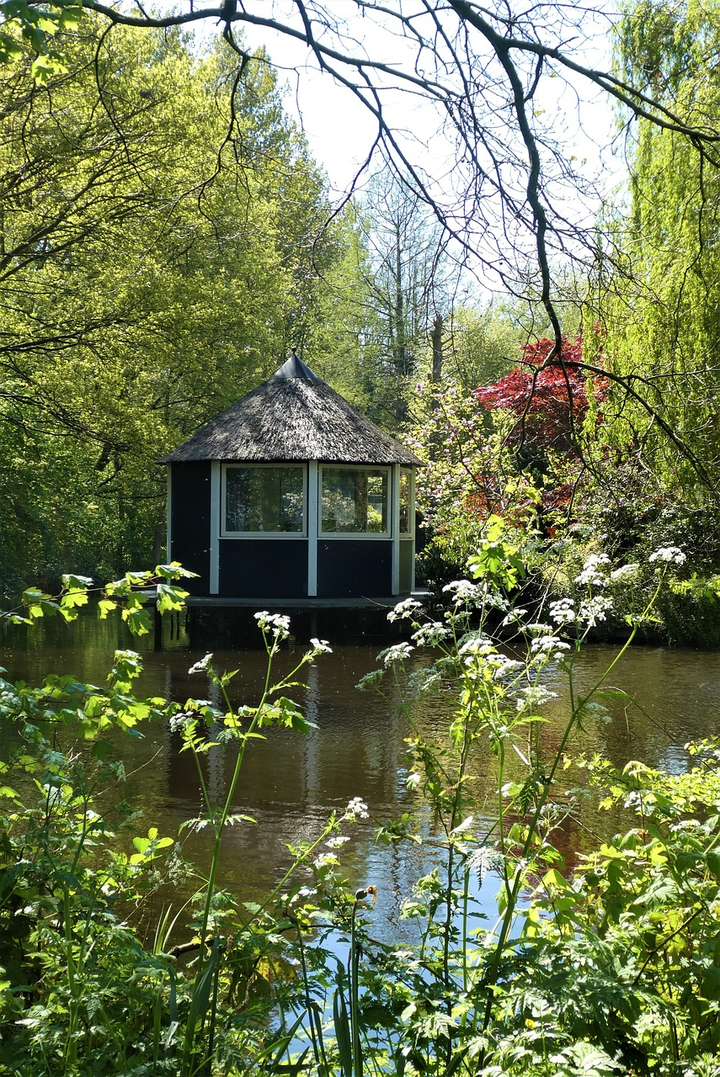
point(355, 501)
point(264, 499)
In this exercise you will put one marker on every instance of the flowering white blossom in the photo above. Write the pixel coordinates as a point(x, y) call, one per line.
point(592, 570)
point(562, 612)
point(465, 593)
point(179, 722)
point(405, 609)
point(357, 809)
point(202, 666)
point(625, 572)
point(669, 554)
point(320, 646)
point(325, 860)
point(538, 628)
point(478, 644)
point(506, 667)
point(594, 609)
point(431, 634)
point(277, 623)
point(548, 645)
point(337, 842)
point(534, 696)
point(397, 653)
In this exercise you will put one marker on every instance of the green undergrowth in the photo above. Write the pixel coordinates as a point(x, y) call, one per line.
point(611, 968)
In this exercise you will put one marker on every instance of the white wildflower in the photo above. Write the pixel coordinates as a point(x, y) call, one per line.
point(625, 572)
point(325, 860)
point(537, 628)
point(404, 610)
point(320, 646)
point(465, 593)
point(179, 722)
point(357, 809)
point(669, 555)
point(337, 842)
point(397, 653)
point(477, 645)
point(533, 696)
point(506, 667)
point(562, 612)
point(592, 570)
point(548, 645)
point(431, 634)
point(277, 623)
point(594, 609)
point(202, 666)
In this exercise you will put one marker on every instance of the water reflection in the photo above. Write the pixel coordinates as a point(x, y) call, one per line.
point(290, 783)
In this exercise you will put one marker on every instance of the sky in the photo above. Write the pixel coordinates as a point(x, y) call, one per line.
point(340, 130)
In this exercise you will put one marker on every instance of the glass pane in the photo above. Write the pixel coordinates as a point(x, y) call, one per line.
point(261, 499)
point(354, 500)
point(405, 503)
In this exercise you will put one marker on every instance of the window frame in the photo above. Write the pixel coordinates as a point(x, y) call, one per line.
point(410, 475)
point(225, 532)
point(357, 536)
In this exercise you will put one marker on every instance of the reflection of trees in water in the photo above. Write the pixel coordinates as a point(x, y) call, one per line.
point(291, 783)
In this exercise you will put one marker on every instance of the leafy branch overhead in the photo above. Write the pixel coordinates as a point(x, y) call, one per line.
point(130, 595)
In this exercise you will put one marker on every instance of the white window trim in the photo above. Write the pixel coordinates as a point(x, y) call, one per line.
point(411, 502)
point(282, 535)
point(356, 536)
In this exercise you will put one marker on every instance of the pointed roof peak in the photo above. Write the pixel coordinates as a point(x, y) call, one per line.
point(294, 415)
point(295, 368)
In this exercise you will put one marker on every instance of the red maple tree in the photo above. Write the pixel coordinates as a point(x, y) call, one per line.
point(549, 397)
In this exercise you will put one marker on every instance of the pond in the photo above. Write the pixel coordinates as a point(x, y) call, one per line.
point(292, 782)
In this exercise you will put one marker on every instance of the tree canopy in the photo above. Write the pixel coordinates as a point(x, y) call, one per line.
point(155, 209)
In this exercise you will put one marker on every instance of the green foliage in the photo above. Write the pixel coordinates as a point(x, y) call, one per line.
point(660, 311)
point(163, 241)
point(611, 969)
point(469, 479)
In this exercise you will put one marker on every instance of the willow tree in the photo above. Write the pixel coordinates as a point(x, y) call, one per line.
point(663, 320)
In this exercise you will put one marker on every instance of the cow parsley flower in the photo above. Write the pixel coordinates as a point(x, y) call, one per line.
point(357, 809)
point(325, 860)
point(320, 646)
point(562, 612)
point(594, 609)
point(625, 572)
point(337, 842)
point(404, 610)
point(397, 653)
point(431, 633)
point(592, 572)
point(202, 666)
point(669, 555)
point(465, 593)
point(550, 645)
point(276, 623)
point(533, 696)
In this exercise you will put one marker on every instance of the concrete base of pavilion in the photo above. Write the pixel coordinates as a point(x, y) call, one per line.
point(213, 621)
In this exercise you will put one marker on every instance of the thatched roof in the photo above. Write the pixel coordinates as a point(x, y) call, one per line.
point(292, 416)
